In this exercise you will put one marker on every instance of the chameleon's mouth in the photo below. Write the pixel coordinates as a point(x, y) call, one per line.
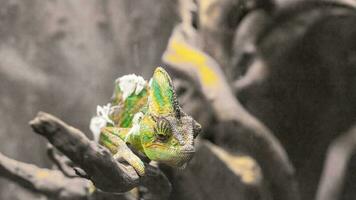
point(174, 157)
point(189, 150)
point(180, 158)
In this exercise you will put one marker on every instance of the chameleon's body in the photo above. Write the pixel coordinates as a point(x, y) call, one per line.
point(148, 118)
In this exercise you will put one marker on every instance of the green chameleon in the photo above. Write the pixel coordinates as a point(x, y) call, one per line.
point(147, 117)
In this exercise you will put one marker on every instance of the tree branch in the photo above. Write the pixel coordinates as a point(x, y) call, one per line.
point(51, 183)
point(61, 162)
point(106, 174)
point(335, 167)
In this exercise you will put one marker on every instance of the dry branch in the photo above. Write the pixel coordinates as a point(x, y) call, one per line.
point(61, 162)
point(51, 183)
point(107, 174)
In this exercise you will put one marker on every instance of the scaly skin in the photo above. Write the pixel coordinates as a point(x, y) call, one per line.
point(152, 122)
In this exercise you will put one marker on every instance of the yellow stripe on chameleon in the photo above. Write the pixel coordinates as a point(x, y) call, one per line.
point(183, 53)
point(161, 93)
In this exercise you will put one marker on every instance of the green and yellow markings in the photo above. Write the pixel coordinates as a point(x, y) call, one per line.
point(161, 99)
point(109, 143)
point(133, 104)
point(110, 137)
point(161, 93)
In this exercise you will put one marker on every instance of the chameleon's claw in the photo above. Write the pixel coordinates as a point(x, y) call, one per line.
point(126, 154)
point(110, 139)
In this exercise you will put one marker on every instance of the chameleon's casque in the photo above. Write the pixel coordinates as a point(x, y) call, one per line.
point(146, 116)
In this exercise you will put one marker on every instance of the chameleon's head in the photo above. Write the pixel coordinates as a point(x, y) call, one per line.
point(168, 133)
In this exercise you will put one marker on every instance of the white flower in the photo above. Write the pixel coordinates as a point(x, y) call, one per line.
point(129, 84)
point(137, 118)
point(140, 85)
point(101, 120)
point(135, 125)
point(150, 83)
point(96, 124)
point(104, 112)
point(134, 130)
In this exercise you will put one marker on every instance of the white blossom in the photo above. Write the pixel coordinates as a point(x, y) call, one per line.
point(104, 112)
point(129, 84)
point(134, 130)
point(140, 85)
point(135, 125)
point(137, 118)
point(150, 83)
point(96, 124)
point(100, 120)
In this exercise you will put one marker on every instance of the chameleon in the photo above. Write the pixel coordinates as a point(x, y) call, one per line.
point(147, 118)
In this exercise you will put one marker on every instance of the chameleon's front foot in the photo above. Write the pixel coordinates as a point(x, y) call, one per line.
point(110, 138)
point(125, 153)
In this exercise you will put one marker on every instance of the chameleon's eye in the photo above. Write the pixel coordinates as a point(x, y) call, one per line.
point(163, 129)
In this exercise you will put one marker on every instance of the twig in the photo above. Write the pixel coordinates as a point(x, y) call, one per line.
point(335, 167)
point(51, 183)
point(61, 162)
